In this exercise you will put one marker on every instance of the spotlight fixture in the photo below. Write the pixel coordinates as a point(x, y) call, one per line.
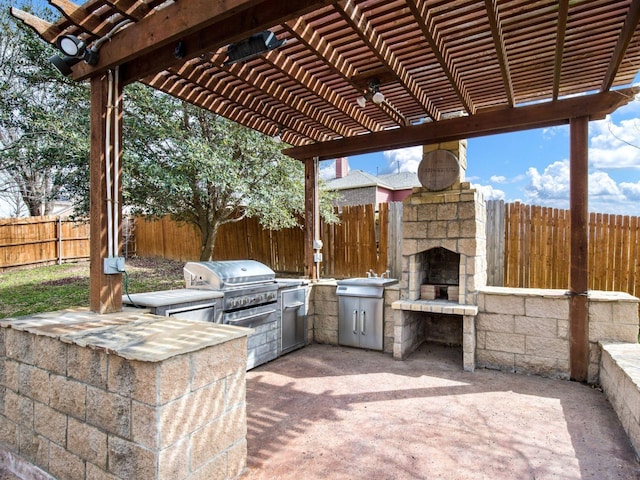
point(63, 64)
point(75, 49)
point(252, 47)
point(71, 45)
point(374, 94)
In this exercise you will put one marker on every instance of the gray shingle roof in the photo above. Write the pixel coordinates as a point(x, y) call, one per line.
point(360, 179)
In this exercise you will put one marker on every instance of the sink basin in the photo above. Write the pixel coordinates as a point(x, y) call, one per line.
point(369, 282)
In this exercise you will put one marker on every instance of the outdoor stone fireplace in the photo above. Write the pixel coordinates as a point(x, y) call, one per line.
point(443, 256)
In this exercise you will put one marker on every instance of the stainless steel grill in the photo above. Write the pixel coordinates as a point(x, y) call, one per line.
point(250, 293)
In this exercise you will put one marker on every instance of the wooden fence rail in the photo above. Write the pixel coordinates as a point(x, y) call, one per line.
point(537, 249)
point(42, 240)
point(527, 246)
point(358, 243)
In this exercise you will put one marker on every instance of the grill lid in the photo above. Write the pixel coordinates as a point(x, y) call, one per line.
point(227, 274)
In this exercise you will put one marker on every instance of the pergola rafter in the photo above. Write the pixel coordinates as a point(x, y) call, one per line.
point(447, 69)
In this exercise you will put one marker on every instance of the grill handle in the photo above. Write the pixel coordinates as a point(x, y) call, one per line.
point(251, 318)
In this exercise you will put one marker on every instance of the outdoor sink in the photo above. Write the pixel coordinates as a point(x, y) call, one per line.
point(369, 281)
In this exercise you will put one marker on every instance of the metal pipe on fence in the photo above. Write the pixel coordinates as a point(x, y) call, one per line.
point(59, 240)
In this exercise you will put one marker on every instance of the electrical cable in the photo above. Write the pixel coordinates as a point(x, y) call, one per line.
point(126, 289)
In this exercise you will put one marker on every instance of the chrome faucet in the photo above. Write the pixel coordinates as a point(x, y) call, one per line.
point(371, 274)
point(386, 272)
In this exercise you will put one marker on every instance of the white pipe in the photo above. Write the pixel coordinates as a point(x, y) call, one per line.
point(116, 165)
point(107, 163)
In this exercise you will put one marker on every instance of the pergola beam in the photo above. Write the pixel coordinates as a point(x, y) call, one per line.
point(498, 39)
point(201, 25)
point(492, 122)
point(352, 14)
point(423, 16)
point(563, 14)
point(336, 61)
point(628, 31)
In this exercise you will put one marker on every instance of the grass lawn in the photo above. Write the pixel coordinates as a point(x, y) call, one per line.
point(45, 289)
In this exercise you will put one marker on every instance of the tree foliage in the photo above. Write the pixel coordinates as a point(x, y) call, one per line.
point(44, 123)
point(205, 170)
point(178, 159)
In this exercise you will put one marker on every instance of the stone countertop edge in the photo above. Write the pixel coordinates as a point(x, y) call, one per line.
point(599, 295)
point(334, 283)
point(133, 334)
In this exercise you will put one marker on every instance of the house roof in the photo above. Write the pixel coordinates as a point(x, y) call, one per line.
point(448, 69)
point(360, 179)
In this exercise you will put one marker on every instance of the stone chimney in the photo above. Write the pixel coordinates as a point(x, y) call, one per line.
point(342, 167)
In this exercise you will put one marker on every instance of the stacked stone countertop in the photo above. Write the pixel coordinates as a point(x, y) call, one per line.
point(132, 334)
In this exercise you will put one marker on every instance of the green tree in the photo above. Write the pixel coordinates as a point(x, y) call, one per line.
point(204, 170)
point(44, 122)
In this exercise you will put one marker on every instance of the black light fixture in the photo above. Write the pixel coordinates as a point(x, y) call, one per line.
point(71, 45)
point(252, 47)
point(63, 64)
point(374, 94)
point(76, 49)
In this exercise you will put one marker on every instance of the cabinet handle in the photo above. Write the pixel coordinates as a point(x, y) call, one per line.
point(364, 321)
point(355, 322)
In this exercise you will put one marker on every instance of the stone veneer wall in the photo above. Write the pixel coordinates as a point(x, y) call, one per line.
point(323, 314)
point(453, 219)
point(620, 380)
point(527, 330)
point(82, 413)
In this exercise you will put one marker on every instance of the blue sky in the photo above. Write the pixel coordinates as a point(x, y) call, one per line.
point(533, 166)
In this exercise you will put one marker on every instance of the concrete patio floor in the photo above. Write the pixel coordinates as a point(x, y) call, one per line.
point(327, 412)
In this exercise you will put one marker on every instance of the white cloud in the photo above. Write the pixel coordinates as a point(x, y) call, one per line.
point(327, 170)
point(504, 180)
point(602, 185)
point(403, 159)
point(551, 184)
point(551, 189)
point(630, 190)
point(615, 145)
point(488, 192)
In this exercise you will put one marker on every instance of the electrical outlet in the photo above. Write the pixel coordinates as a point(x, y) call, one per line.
point(113, 265)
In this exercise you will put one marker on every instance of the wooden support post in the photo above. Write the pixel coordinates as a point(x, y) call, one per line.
point(105, 291)
point(311, 215)
point(579, 277)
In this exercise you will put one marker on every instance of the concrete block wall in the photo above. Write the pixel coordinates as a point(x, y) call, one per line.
point(323, 312)
point(523, 331)
point(81, 413)
point(613, 316)
point(527, 330)
point(620, 380)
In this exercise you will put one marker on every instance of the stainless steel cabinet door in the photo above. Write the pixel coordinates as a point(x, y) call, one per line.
point(348, 325)
point(360, 322)
point(371, 334)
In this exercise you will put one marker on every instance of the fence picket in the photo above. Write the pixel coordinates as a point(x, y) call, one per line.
point(526, 246)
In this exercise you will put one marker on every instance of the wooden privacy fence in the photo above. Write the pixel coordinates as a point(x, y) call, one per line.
point(362, 241)
point(42, 240)
point(537, 249)
point(527, 246)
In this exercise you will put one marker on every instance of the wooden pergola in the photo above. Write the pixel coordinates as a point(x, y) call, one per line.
point(448, 69)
